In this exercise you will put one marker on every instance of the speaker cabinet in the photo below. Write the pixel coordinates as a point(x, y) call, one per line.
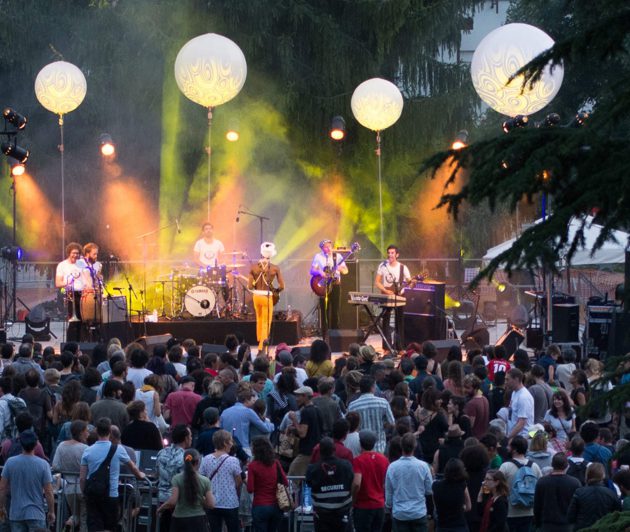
point(565, 322)
point(443, 347)
point(149, 342)
point(425, 298)
point(599, 320)
point(219, 349)
point(619, 336)
point(479, 336)
point(419, 328)
point(511, 339)
point(340, 339)
point(349, 314)
point(86, 347)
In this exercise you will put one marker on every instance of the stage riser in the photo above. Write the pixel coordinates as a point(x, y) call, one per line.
point(214, 332)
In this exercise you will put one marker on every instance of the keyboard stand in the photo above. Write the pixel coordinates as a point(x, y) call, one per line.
point(375, 326)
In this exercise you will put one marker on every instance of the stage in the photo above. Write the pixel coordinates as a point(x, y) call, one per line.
point(213, 331)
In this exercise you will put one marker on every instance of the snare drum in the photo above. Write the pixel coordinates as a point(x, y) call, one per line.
point(91, 309)
point(199, 301)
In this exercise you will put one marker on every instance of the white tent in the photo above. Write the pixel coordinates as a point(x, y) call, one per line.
point(612, 252)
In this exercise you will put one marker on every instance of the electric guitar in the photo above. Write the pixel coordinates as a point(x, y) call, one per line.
point(320, 283)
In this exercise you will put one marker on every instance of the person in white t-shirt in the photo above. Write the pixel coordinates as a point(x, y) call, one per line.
point(208, 249)
point(69, 277)
point(390, 277)
point(521, 410)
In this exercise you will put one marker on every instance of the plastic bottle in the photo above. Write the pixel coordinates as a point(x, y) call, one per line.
point(307, 499)
point(289, 312)
point(154, 316)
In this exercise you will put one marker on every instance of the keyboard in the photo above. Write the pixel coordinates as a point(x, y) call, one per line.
point(382, 300)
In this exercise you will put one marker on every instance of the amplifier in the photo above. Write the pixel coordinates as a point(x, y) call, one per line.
point(599, 320)
point(114, 309)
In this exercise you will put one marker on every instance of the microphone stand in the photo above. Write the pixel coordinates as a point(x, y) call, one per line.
point(261, 219)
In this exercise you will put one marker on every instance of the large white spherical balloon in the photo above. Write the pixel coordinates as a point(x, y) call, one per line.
point(377, 104)
point(501, 53)
point(210, 69)
point(60, 87)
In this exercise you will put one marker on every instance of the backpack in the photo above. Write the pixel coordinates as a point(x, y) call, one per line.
point(524, 485)
point(97, 485)
point(16, 407)
point(578, 470)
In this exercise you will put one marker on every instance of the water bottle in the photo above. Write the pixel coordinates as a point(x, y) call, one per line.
point(155, 316)
point(289, 312)
point(307, 499)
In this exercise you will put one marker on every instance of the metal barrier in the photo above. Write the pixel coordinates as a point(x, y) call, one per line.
point(299, 516)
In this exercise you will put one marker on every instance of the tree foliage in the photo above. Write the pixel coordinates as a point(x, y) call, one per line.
point(583, 170)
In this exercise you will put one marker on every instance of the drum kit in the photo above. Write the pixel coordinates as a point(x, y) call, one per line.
point(207, 292)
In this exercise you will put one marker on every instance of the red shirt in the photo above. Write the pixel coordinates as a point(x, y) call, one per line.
point(181, 405)
point(262, 481)
point(479, 408)
point(496, 365)
point(372, 467)
point(341, 451)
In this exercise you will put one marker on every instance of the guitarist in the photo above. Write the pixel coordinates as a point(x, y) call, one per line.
point(265, 296)
point(390, 278)
point(330, 267)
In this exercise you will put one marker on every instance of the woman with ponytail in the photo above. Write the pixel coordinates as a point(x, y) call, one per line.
point(191, 497)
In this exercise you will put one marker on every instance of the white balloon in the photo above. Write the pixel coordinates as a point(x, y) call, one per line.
point(377, 104)
point(501, 53)
point(210, 69)
point(60, 87)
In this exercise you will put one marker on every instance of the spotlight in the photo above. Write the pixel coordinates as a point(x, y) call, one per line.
point(552, 119)
point(108, 148)
point(501, 287)
point(232, 135)
point(460, 141)
point(578, 120)
point(11, 253)
point(14, 118)
point(337, 128)
point(514, 123)
point(17, 168)
point(13, 150)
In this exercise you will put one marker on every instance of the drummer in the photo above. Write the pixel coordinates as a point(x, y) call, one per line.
point(261, 278)
point(208, 249)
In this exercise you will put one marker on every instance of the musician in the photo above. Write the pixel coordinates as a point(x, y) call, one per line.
point(261, 278)
point(92, 280)
point(391, 278)
point(68, 277)
point(329, 266)
point(208, 249)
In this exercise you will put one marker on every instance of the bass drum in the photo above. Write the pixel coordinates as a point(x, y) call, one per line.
point(91, 306)
point(199, 301)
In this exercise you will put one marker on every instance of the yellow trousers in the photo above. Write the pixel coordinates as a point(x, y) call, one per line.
point(263, 305)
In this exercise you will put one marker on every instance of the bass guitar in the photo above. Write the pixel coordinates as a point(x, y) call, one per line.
point(320, 283)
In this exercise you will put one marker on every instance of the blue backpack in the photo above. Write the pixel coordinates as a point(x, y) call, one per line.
point(524, 485)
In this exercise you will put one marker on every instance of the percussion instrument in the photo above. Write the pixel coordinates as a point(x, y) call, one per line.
point(199, 301)
point(91, 309)
point(214, 276)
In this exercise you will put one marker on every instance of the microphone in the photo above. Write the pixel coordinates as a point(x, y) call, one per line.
point(238, 218)
point(117, 289)
point(179, 229)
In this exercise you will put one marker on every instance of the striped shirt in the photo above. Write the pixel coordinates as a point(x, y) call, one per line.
point(374, 412)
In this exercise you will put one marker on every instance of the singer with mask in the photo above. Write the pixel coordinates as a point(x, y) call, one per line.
point(391, 279)
point(208, 249)
point(261, 284)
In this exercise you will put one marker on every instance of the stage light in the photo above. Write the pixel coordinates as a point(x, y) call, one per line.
point(501, 287)
point(460, 141)
point(14, 118)
point(232, 135)
point(108, 148)
point(17, 168)
point(337, 128)
point(17, 152)
point(514, 123)
point(578, 120)
point(552, 119)
point(11, 253)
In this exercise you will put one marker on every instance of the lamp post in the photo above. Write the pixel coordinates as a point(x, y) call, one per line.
point(210, 70)
point(61, 87)
point(497, 57)
point(377, 104)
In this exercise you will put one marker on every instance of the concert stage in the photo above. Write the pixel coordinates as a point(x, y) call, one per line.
point(215, 331)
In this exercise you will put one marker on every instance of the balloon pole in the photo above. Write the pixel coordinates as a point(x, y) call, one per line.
point(209, 152)
point(63, 194)
point(380, 187)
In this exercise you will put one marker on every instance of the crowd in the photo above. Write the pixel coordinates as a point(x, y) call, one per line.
point(373, 443)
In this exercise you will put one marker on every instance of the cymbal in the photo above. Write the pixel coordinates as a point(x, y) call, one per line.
point(234, 253)
point(164, 281)
point(231, 267)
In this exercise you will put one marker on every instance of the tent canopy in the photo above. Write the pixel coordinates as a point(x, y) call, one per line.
point(612, 252)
